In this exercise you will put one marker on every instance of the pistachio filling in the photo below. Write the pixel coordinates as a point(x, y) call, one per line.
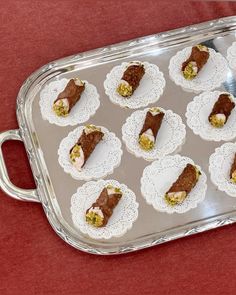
point(147, 140)
point(61, 107)
point(218, 120)
point(233, 177)
point(124, 89)
point(190, 70)
point(202, 47)
point(91, 128)
point(95, 217)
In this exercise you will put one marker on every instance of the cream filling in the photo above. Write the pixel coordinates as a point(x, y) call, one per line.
point(177, 196)
point(123, 82)
point(97, 211)
point(203, 48)
point(79, 161)
point(64, 102)
point(194, 66)
point(220, 117)
point(78, 82)
point(111, 191)
point(149, 134)
point(154, 111)
point(134, 63)
point(91, 128)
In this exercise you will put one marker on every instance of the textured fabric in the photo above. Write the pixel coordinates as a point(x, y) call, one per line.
point(33, 260)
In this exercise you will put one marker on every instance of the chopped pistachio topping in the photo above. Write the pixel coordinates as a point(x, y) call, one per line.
point(117, 190)
point(94, 219)
point(233, 177)
point(202, 47)
point(218, 120)
point(124, 89)
point(175, 198)
point(190, 71)
point(61, 109)
point(145, 142)
point(75, 153)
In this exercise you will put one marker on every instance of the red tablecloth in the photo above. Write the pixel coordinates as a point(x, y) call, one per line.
point(33, 260)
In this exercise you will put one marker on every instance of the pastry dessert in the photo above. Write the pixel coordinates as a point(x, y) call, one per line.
point(151, 126)
point(131, 79)
point(68, 97)
point(87, 142)
point(183, 185)
point(233, 171)
point(221, 110)
point(198, 58)
point(100, 211)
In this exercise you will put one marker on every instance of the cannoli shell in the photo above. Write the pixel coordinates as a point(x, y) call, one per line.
point(222, 106)
point(186, 181)
point(88, 142)
point(133, 75)
point(152, 122)
point(106, 203)
point(72, 93)
point(200, 57)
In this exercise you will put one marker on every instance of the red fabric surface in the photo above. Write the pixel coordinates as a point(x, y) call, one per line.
point(33, 260)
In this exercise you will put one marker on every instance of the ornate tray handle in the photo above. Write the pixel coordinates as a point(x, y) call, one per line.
point(6, 185)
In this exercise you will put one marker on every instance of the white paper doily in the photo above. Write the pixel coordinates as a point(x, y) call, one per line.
point(80, 113)
point(122, 219)
point(170, 136)
point(197, 114)
point(158, 177)
point(105, 157)
point(231, 56)
point(211, 76)
point(149, 90)
point(219, 167)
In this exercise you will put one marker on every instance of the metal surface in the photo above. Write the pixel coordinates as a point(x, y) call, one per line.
point(42, 139)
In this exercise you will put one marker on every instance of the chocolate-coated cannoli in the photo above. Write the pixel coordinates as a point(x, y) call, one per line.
point(233, 170)
point(68, 97)
point(183, 185)
point(100, 211)
point(85, 145)
point(221, 110)
point(151, 126)
point(131, 79)
point(195, 62)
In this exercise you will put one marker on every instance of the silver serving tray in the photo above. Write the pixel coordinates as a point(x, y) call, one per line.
point(41, 139)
